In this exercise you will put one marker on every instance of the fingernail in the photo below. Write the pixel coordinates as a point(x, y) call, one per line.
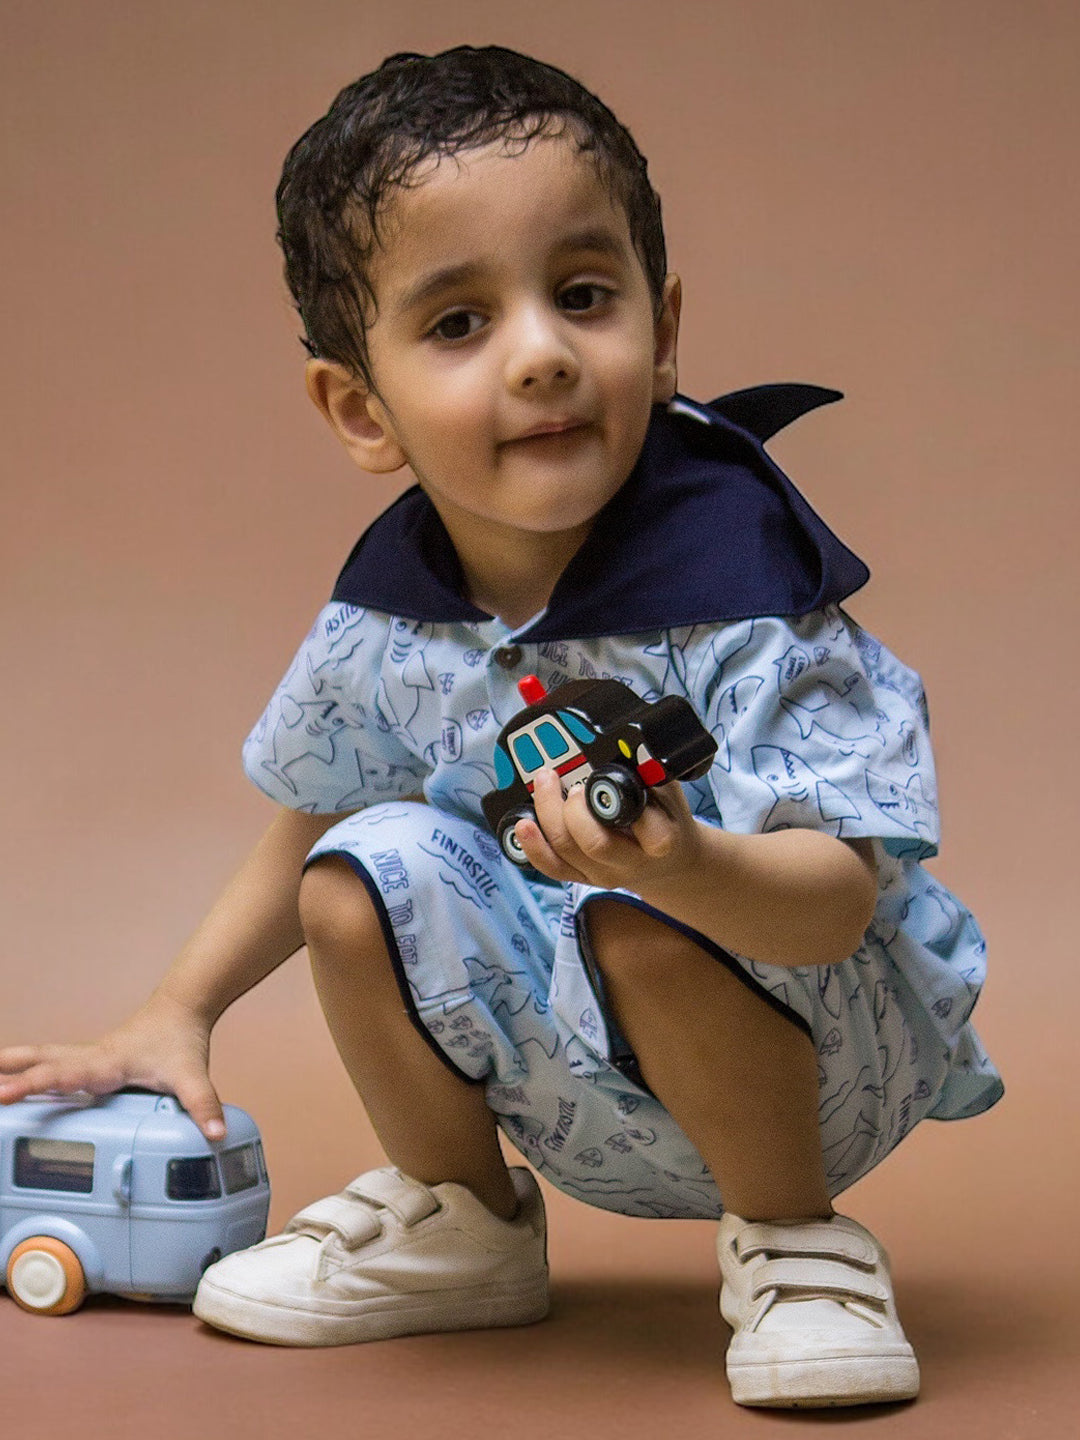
point(215, 1130)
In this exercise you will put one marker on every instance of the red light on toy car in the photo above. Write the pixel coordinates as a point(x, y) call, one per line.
point(652, 772)
point(531, 689)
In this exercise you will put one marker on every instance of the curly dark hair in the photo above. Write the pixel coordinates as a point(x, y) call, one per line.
point(338, 175)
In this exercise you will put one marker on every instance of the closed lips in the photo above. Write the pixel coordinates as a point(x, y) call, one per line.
point(540, 432)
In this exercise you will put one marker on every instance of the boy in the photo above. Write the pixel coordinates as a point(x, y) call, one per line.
point(755, 991)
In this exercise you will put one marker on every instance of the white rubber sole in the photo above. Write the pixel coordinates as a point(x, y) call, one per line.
point(479, 1308)
point(826, 1380)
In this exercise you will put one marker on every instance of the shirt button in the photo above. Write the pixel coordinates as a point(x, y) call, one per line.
point(507, 656)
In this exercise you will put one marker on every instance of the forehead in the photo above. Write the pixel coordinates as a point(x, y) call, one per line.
point(480, 207)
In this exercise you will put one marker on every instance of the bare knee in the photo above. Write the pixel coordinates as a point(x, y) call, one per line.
point(336, 912)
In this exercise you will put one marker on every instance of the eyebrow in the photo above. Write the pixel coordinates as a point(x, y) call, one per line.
point(596, 241)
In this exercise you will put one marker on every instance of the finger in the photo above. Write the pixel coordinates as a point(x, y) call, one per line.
point(655, 830)
point(542, 857)
point(665, 818)
point(600, 846)
point(18, 1088)
point(37, 1079)
point(14, 1058)
point(553, 811)
point(670, 799)
point(199, 1098)
point(21, 1057)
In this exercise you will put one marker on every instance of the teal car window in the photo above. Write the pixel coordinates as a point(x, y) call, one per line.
point(193, 1179)
point(54, 1165)
point(580, 731)
point(552, 739)
point(527, 754)
point(504, 771)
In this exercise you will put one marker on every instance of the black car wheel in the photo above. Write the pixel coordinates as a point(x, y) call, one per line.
point(615, 796)
point(508, 841)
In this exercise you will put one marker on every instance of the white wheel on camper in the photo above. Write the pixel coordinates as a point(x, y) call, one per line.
point(46, 1277)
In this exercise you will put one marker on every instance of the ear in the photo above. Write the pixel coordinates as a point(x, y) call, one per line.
point(356, 415)
point(665, 378)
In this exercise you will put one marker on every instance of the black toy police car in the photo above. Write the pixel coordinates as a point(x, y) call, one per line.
point(595, 733)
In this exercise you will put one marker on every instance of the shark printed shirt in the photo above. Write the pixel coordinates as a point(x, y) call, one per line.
point(708, 577)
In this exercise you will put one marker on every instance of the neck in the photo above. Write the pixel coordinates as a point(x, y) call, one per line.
point(512, 573)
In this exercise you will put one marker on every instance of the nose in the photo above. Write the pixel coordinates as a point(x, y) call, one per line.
point(540, 356)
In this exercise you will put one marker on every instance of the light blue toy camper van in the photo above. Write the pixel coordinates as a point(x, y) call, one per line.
point(122, 1194)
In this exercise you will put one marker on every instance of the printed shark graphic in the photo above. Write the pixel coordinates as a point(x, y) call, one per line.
point(378, 779)
point(733, 703)
point(803, 799)
point(708, 673)
point(506, 993)
point(303, 730)
point(845, 1155)
point(406, 680)
point(847, 719)
point(910, 807)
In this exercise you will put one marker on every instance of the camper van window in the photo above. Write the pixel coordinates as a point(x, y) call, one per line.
point(194, 1179)
point(54, 1165)
point(239, 1169)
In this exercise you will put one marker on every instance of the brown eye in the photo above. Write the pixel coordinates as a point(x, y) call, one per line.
point(458, 325)
point(582, 296)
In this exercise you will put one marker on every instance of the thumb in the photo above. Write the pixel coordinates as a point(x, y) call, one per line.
point(199, 1098)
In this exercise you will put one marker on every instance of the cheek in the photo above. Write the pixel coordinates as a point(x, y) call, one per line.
point(626, 370)
point(448, 419)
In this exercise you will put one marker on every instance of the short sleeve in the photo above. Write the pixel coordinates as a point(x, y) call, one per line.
point(818, 727)
point(321, 744)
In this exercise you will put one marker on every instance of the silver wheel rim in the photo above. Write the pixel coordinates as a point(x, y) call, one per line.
point(606, 799)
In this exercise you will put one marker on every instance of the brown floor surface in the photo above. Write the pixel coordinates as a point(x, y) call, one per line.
point(632, 1346)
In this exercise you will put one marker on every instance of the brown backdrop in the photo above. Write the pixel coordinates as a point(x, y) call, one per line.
point(876, 197)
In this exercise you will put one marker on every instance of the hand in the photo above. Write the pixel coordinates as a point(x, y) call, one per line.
point(163, 1046)
point(567, 842)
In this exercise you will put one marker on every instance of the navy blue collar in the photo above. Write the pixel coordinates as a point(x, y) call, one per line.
point(706, 528)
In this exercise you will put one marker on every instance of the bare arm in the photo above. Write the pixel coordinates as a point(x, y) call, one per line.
point(792, 897)
point(252, 928)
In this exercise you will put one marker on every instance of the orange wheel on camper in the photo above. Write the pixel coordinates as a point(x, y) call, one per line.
point(45, 1277)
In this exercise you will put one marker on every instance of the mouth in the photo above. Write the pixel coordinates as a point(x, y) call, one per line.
point(551, 430)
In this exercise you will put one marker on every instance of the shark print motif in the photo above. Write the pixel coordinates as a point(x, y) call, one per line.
point(845, 718)
point(406, 681)
point(804, 799)
point(906, 805)
point(734, 703)
point(818, 727)
point(304, 730)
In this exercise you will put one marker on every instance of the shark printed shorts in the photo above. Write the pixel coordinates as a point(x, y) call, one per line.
point(493, 971)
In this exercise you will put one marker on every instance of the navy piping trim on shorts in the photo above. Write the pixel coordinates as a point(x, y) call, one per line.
point(710, 947)
point(395, 958)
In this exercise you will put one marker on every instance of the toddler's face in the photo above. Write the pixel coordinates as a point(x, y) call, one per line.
point(515, 349)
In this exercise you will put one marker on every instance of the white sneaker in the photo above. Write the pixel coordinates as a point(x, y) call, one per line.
point(811, 1306)
point(388, 1256)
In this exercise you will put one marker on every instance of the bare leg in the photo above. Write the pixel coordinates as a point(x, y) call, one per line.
point(737, 1076)
point(432, 1124)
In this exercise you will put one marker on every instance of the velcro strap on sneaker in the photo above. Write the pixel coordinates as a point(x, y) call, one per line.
point(400, 1194)
point(337, 1214)
point(817, 1277)
point(822, 1240)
